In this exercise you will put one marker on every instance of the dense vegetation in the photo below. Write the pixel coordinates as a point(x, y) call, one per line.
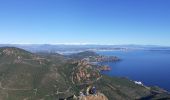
point(45, 76)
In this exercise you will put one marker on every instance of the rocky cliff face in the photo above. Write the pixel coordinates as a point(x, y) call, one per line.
point(85, 73)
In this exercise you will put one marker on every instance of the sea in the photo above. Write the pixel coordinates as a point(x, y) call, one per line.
point(151, 67)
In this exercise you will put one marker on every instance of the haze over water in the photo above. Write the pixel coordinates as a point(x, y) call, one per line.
point(149, 67)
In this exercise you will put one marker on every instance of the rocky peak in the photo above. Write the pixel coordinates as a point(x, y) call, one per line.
point(98, 96)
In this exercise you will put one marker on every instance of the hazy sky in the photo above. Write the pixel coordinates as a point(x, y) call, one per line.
point(85, 21)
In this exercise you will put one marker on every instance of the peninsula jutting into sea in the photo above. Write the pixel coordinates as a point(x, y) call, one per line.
point(38, 75)
point(84, 49)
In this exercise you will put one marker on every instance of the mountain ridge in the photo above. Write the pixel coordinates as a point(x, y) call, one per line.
point(51, 77)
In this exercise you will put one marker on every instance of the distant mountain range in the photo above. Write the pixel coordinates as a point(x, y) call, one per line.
point(62, 48)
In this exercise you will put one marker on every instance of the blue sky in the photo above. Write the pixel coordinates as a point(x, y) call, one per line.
point(85, 21)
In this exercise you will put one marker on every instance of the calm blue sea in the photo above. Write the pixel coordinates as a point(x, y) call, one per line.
point(149, 67)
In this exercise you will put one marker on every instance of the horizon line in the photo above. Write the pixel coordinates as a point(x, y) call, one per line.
point(82, 44)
